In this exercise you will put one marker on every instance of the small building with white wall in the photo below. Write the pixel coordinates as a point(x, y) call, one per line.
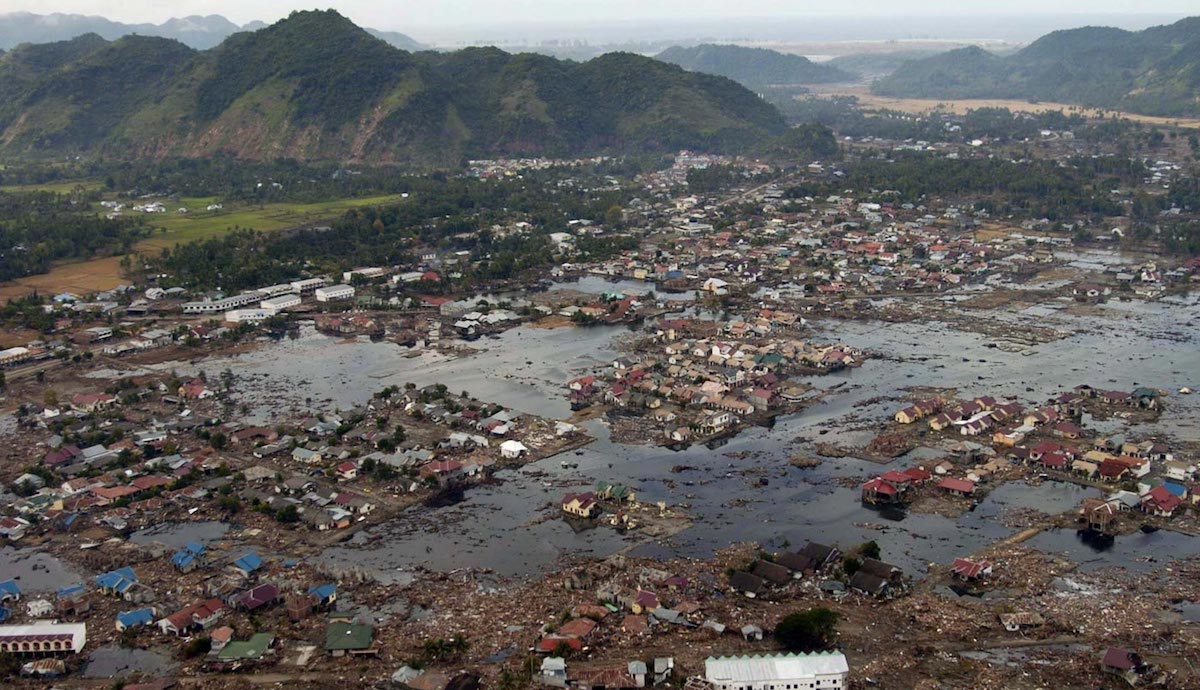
point(368, 273)
point(248, 315)
point(334, 293)
point(308, 284)
point(43, 637)
point(281, 303)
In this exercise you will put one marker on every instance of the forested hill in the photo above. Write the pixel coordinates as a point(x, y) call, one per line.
point(753, 66)
point(1154, 72)
point(315, 86)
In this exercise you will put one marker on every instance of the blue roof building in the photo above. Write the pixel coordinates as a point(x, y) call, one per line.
point(117, 581)
point(187, 558)
point(248, 563)
point(325, 594)
point(70, 592)
point(1176, 489)
point(135, 619)
point(9, 590)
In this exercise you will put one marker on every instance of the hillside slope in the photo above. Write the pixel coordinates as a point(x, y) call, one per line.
point(1153, 72)
point(753, 66)
point(315, 86)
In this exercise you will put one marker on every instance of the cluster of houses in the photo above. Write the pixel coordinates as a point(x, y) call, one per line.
point(231, 587)
point(163, 461)
point(699, 378)
point(970, 418)
point(1060, 448)
point(867, 576)
point(832, 246)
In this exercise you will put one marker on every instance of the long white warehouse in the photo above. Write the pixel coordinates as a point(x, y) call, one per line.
point(816, 671)
point(334, 293)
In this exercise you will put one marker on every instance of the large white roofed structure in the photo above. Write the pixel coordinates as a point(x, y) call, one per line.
point(816, 671)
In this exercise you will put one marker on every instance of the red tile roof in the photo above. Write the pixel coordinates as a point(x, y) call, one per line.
point(957, 485)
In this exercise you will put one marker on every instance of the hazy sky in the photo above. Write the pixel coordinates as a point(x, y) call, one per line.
point(410, 14)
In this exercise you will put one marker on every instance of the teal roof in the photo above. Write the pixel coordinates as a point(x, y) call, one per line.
point(348, 636)
point(253, 648)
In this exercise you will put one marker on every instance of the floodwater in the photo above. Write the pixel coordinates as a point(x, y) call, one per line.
point(496, 526)
point(1189, 611)
point(176, 534)
point(112, 661)
point(596, 285)
point(512, 526)
point(525, 369)
point(37, 571)
point(1138, 551)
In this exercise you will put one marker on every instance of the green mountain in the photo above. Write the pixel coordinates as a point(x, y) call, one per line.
point(1154, 72)
point(315, 86)
point(753, 66)
point(871, 65)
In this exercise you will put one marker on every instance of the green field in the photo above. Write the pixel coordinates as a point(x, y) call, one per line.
point(176, 228)
point(61, 187)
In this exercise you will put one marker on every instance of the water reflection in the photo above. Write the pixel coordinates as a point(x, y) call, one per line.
point(513, 527)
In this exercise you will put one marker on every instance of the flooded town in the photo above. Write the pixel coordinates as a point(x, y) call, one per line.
point(717, 422)
point(639, 464)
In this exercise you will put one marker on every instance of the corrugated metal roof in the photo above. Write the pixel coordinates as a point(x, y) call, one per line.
point(750, 669)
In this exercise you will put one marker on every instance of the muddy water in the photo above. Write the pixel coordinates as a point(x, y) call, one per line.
point(117, 662)
point(37, 571)
point(176, 534)
point(595, 285)
point(1137, 551)
point(525, 369)
point(496, 527)
point(513, 527)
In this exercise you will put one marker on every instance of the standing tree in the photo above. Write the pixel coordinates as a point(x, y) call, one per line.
point(807, 631)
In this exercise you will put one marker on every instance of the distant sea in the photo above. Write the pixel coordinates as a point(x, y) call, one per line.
point(973, 28)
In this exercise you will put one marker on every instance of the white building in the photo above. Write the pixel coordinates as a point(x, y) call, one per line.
point(248, 315)
point(368, 273)
point(278, 304)
point(279, 289)
point(513, 449)
point(334, 293)
point(42, 637)
point(14, 355)
point(816, 671)
point(308, 284)
point(217, 306)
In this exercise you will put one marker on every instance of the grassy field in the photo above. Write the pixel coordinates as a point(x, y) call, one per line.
point(80, 277)
point(961, 106)
point(105, 273)
point(64, 187)
point(179, 228)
